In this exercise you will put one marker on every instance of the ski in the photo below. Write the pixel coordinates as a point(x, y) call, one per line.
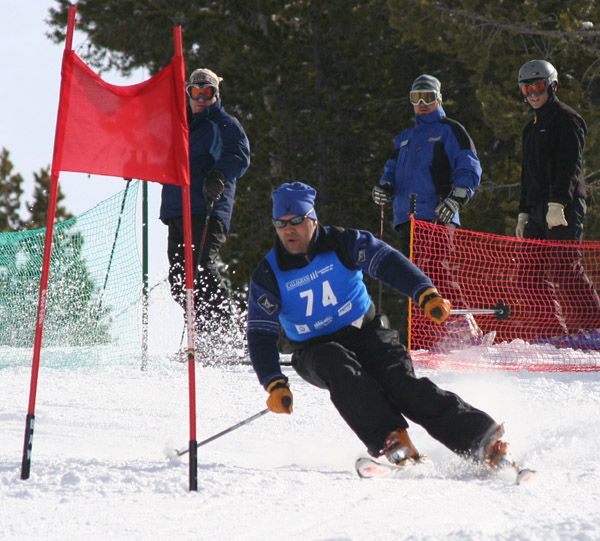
point(522, 475)
point(369, 468)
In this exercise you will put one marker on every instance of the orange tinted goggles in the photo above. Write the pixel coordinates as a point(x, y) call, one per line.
point(536, 88)
point(425, 96)
point(200, 91)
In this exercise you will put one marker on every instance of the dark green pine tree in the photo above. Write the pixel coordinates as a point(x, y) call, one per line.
point(10, 194)
point(38, 208)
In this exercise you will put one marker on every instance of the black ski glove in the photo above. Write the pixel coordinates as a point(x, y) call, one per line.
point(214, 184)
point(456, 199)
point(382, 194)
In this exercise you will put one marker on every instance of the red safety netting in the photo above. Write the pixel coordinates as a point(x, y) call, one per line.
point(548, 288)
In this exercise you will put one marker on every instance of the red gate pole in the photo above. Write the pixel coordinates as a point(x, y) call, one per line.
point(189, 282)
point(43, 293)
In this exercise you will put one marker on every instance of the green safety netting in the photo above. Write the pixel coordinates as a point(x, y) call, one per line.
point(94, 293)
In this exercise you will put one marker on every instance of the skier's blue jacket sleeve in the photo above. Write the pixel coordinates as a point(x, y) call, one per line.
point(358, 250)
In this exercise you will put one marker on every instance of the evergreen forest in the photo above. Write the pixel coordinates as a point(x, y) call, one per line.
point(321, 88)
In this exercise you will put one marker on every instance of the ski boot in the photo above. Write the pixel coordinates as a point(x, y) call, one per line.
point(494, 451)
point(399, 450)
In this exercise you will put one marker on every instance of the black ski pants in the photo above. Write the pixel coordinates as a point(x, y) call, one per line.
point(211, 296)
point(558, 295)
point(372, 383)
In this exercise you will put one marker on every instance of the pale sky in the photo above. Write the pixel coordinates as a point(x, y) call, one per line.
point(29, 87)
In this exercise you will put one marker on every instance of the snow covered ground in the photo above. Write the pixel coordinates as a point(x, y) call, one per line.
point(99, 468)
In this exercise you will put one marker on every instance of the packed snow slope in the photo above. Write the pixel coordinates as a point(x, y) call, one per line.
point(99, 467)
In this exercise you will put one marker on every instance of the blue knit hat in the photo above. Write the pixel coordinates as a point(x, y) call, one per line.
point(294, 199)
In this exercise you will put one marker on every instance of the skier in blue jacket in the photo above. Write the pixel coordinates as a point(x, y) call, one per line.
point(436, 160)
point(307, 297)
point(219, 156)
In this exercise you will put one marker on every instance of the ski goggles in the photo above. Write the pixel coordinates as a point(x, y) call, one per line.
point(426, 96)
point(536, 88)
point(200, 91)
point(296, 220)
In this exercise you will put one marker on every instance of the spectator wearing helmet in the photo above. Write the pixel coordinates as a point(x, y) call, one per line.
point(552, 204)
point(436, 160)
point(219, 156)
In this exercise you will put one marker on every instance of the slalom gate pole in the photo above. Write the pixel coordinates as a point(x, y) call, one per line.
point(200, 252)
point(39, 329)
point(145, 292)
point(44, 279)
point(226, 431)
point(411, 218)
point(191, 347)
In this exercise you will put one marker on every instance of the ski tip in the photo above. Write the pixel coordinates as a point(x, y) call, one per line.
point(525, 475)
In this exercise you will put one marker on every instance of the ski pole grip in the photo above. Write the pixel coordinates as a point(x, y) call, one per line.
point(286, 401)
point(436, 312)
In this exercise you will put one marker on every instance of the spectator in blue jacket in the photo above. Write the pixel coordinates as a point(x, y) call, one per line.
point(307, 297)
point(219, 156)
point(436, 160)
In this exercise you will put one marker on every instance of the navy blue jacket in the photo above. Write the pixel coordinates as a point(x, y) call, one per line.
point(430, 159)
point(358, 251)
point(217, 141)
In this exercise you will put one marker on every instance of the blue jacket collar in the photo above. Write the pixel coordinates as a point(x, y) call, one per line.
point(435, 116)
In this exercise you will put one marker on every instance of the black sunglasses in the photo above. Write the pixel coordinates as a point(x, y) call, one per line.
point(296, 220)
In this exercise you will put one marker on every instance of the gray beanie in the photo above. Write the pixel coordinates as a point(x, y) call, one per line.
point(427, 83)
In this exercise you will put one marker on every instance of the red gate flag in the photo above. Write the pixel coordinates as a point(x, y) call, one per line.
point(137, 131)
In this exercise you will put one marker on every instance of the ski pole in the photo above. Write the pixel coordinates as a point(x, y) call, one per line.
point(381, 223)
point(182, 452)
point(501, 311)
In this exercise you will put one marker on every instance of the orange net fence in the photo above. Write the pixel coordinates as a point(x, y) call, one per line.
point(546, 311)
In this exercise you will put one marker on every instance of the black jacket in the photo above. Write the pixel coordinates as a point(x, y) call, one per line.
point(552, 168)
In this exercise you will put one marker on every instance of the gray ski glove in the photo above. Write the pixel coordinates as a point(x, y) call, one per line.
point(382, 194)
point(446, 210)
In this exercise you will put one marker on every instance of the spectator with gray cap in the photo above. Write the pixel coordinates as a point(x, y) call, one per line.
point(219, 156)
point(435, 159)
